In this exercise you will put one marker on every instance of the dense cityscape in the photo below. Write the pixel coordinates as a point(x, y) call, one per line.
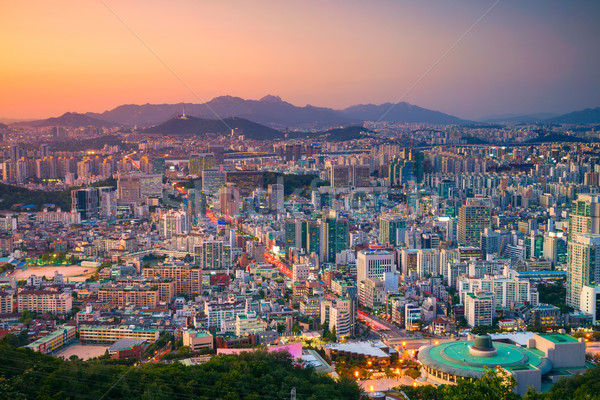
point(360, 257)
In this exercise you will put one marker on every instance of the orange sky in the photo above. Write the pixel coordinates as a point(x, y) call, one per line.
point(59, 56)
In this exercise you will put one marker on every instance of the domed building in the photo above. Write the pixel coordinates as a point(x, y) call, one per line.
point(539, 360)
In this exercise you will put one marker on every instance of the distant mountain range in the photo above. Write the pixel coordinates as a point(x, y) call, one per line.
point(587, 116)
point(400, 112)
point(70, 120)
point(273, 111)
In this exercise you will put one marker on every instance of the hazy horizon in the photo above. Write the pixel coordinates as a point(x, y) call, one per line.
point(521, 58)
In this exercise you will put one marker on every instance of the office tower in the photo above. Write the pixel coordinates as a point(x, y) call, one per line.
point(585, 215)
point(419, 165)
point(473, 218)
point(336, 235)
point(229, 198)
point(201, 162)
point(293, 233)
point(212, 181)
point(275, 192)
point(86, 203)
point(129, 188)
point(151, 185)
point(374, 264)
point(314, 238)
point(340, 176)
point(219, 153)
point(583, 265)
point(401, 171)
point(394, 172)
point(213, 255)
point(192, 203)
point(391, 229)
point(361, 176)
point(158, 166)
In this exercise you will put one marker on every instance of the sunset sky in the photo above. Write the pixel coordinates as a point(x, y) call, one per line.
point(524, 56)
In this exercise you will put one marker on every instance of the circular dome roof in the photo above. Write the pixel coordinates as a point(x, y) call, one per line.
point(456, 358)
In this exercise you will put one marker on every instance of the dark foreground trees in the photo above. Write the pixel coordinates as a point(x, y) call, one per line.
point(256, 375)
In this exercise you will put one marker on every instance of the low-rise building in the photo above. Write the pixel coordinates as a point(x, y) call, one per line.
point(53, 341)
point(111, 333)
point(127, 348)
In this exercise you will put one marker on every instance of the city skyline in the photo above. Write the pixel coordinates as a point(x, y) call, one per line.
point(470, 59)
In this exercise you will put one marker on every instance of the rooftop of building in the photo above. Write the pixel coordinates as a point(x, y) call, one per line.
point(558, 337)
point(125, 344)
point(60, 331)
point(456, 358)
point(369, 349)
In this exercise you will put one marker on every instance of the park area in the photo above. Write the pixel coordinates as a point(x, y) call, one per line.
point(72, 272)
point(84, 352)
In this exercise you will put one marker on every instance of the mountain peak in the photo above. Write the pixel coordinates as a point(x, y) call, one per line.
point(271, 99)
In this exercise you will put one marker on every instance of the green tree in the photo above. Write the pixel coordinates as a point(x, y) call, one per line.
point(493, 385)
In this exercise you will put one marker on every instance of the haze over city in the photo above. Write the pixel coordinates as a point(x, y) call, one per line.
point(515, 57)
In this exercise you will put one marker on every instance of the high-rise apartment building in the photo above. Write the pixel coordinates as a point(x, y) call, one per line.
point(583, 265)
point(479, 308)
point(473, 218)
point(585, 215)
point(174, 223)
point(213, 255)
point(187, 278)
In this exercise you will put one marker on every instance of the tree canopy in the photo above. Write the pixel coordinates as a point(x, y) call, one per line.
point(252, 375)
